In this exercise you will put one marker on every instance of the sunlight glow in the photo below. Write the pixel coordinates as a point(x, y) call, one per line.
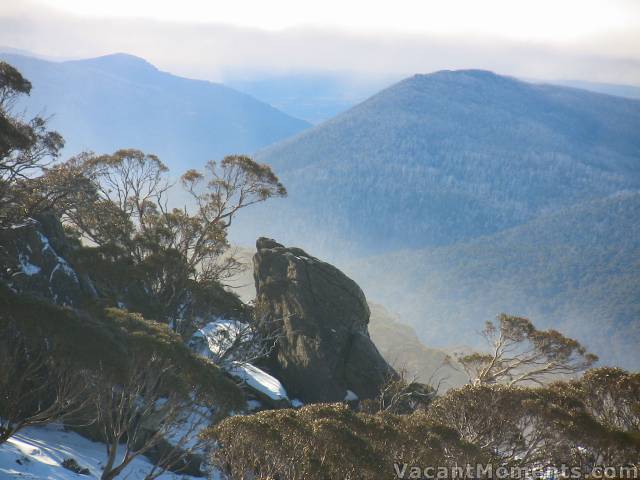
point(523, 19)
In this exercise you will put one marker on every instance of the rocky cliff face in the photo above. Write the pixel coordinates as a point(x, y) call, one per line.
point(325, 350)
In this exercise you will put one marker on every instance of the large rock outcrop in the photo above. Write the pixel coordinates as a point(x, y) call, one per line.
point(325, 349)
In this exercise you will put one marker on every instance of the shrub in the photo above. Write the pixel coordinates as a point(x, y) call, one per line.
point(558, 424)
point(46, 355)
point(329, 441)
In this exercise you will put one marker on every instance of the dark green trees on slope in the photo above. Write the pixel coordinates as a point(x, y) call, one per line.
point(449, 156)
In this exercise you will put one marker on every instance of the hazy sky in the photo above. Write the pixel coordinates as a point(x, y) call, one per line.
point(557, 20)
point(555, 39)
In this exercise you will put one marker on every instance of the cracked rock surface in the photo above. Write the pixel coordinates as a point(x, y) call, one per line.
point(325, 349)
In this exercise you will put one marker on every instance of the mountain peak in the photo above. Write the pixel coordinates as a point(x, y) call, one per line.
point(471, 72)
point(461, 75)
point(118, 62)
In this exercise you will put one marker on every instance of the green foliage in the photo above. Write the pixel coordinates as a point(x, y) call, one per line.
point(588, 421)
point(12, 82)
point(57, 362)
point(47, 355)
point(149, 345)
point(13, 134)
point(176, 258)
point(73, 337)
point(612, 397)
point(162, 384)
point(26, 147)
point(399, 395)
point(331, 441)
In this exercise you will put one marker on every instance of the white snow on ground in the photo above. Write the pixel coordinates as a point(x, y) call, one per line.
point(215, 338)
point(188, 428)
point(28, 222)
point(27, 267)
point(350, 396)
point(41, 450)
point(259, 380)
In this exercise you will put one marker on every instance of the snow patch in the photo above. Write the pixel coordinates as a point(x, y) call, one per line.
point(27, 223)
point(214, 341)
point(351, 397)
point(38, 453)
point(185, 434)
point(259, 380)
point(28, 268)
point(216, 338)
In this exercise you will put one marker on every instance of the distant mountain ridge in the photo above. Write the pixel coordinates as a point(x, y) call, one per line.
point(119, 100)
point(320, 96)
point(628, 91)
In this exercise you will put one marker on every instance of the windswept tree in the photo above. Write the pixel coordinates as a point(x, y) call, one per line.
point(520, 353)
point(177, 256)
point(129, 189)
point(26, 146)
point(229, 186)
point(507, 421)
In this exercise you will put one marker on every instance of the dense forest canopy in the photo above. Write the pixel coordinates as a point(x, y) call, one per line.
point(440, 158)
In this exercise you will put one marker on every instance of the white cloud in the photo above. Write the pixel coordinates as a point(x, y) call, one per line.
point(522, 19)
point(599, 44)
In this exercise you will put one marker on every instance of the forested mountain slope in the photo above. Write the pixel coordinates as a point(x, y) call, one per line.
point(449, 156)
point(577, 270)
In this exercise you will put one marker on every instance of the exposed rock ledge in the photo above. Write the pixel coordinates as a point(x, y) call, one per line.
point(325, 350)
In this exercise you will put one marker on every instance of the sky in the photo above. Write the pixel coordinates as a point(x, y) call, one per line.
point(595, 40)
